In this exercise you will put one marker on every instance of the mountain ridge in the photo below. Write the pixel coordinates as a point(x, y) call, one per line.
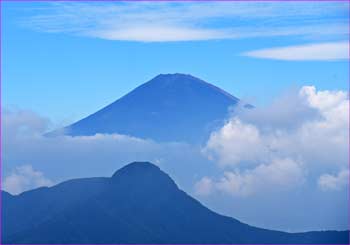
point(139, 203)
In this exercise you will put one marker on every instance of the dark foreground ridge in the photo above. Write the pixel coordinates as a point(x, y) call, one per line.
point(169, 107)
point(138, 204)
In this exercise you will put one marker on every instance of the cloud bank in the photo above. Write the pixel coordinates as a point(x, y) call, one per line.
point(66, 157)
point(277, 154)
point(294, 150)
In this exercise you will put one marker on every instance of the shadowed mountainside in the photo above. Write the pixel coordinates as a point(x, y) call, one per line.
point(138, 204)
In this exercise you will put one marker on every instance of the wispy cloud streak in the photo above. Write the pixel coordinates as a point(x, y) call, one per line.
point(318, 51)
point(164, 22)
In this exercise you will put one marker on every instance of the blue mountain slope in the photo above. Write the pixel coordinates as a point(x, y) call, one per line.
point(138, 204)
point(172, 107)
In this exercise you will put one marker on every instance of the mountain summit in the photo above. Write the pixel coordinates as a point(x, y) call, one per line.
point(170, 107)
point(138, 204)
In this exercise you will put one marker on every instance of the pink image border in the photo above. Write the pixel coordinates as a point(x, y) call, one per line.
point(198, 1)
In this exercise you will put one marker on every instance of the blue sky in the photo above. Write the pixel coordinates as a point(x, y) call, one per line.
point(67, 60)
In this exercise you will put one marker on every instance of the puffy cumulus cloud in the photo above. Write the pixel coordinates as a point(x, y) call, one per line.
point(235, 142)
point(325, 101)
point(325, 140)
point(24, 178)
point(333, 106)
point(280, 174)
point(328, 182)
point(315, 133)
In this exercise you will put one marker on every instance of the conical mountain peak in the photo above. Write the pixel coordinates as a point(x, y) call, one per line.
point(170, 107)
point(184, 81)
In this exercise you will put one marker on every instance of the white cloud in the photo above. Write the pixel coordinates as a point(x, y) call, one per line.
point(318, 51)
point(328, 182)
point(278, 114)
point(159, 34)
point(280, 174)
point(325, 101)
point(62, 158)
point(325, 140)
point(319, 138)
point(17, 122)
point(66, 157)
point(25, 178)
point(319, 141)
point(163, 22)
point(235, 142)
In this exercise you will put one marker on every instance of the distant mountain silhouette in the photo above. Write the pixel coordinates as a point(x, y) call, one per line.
point(170, 107)
point(138, 204)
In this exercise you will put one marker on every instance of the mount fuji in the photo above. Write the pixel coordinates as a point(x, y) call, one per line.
point(170, 107)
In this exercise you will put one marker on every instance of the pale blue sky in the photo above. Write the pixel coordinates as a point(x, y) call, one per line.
point(67, 60)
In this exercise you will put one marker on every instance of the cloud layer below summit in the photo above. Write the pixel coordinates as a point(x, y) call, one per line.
point(302, 134)
point(295, 148)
